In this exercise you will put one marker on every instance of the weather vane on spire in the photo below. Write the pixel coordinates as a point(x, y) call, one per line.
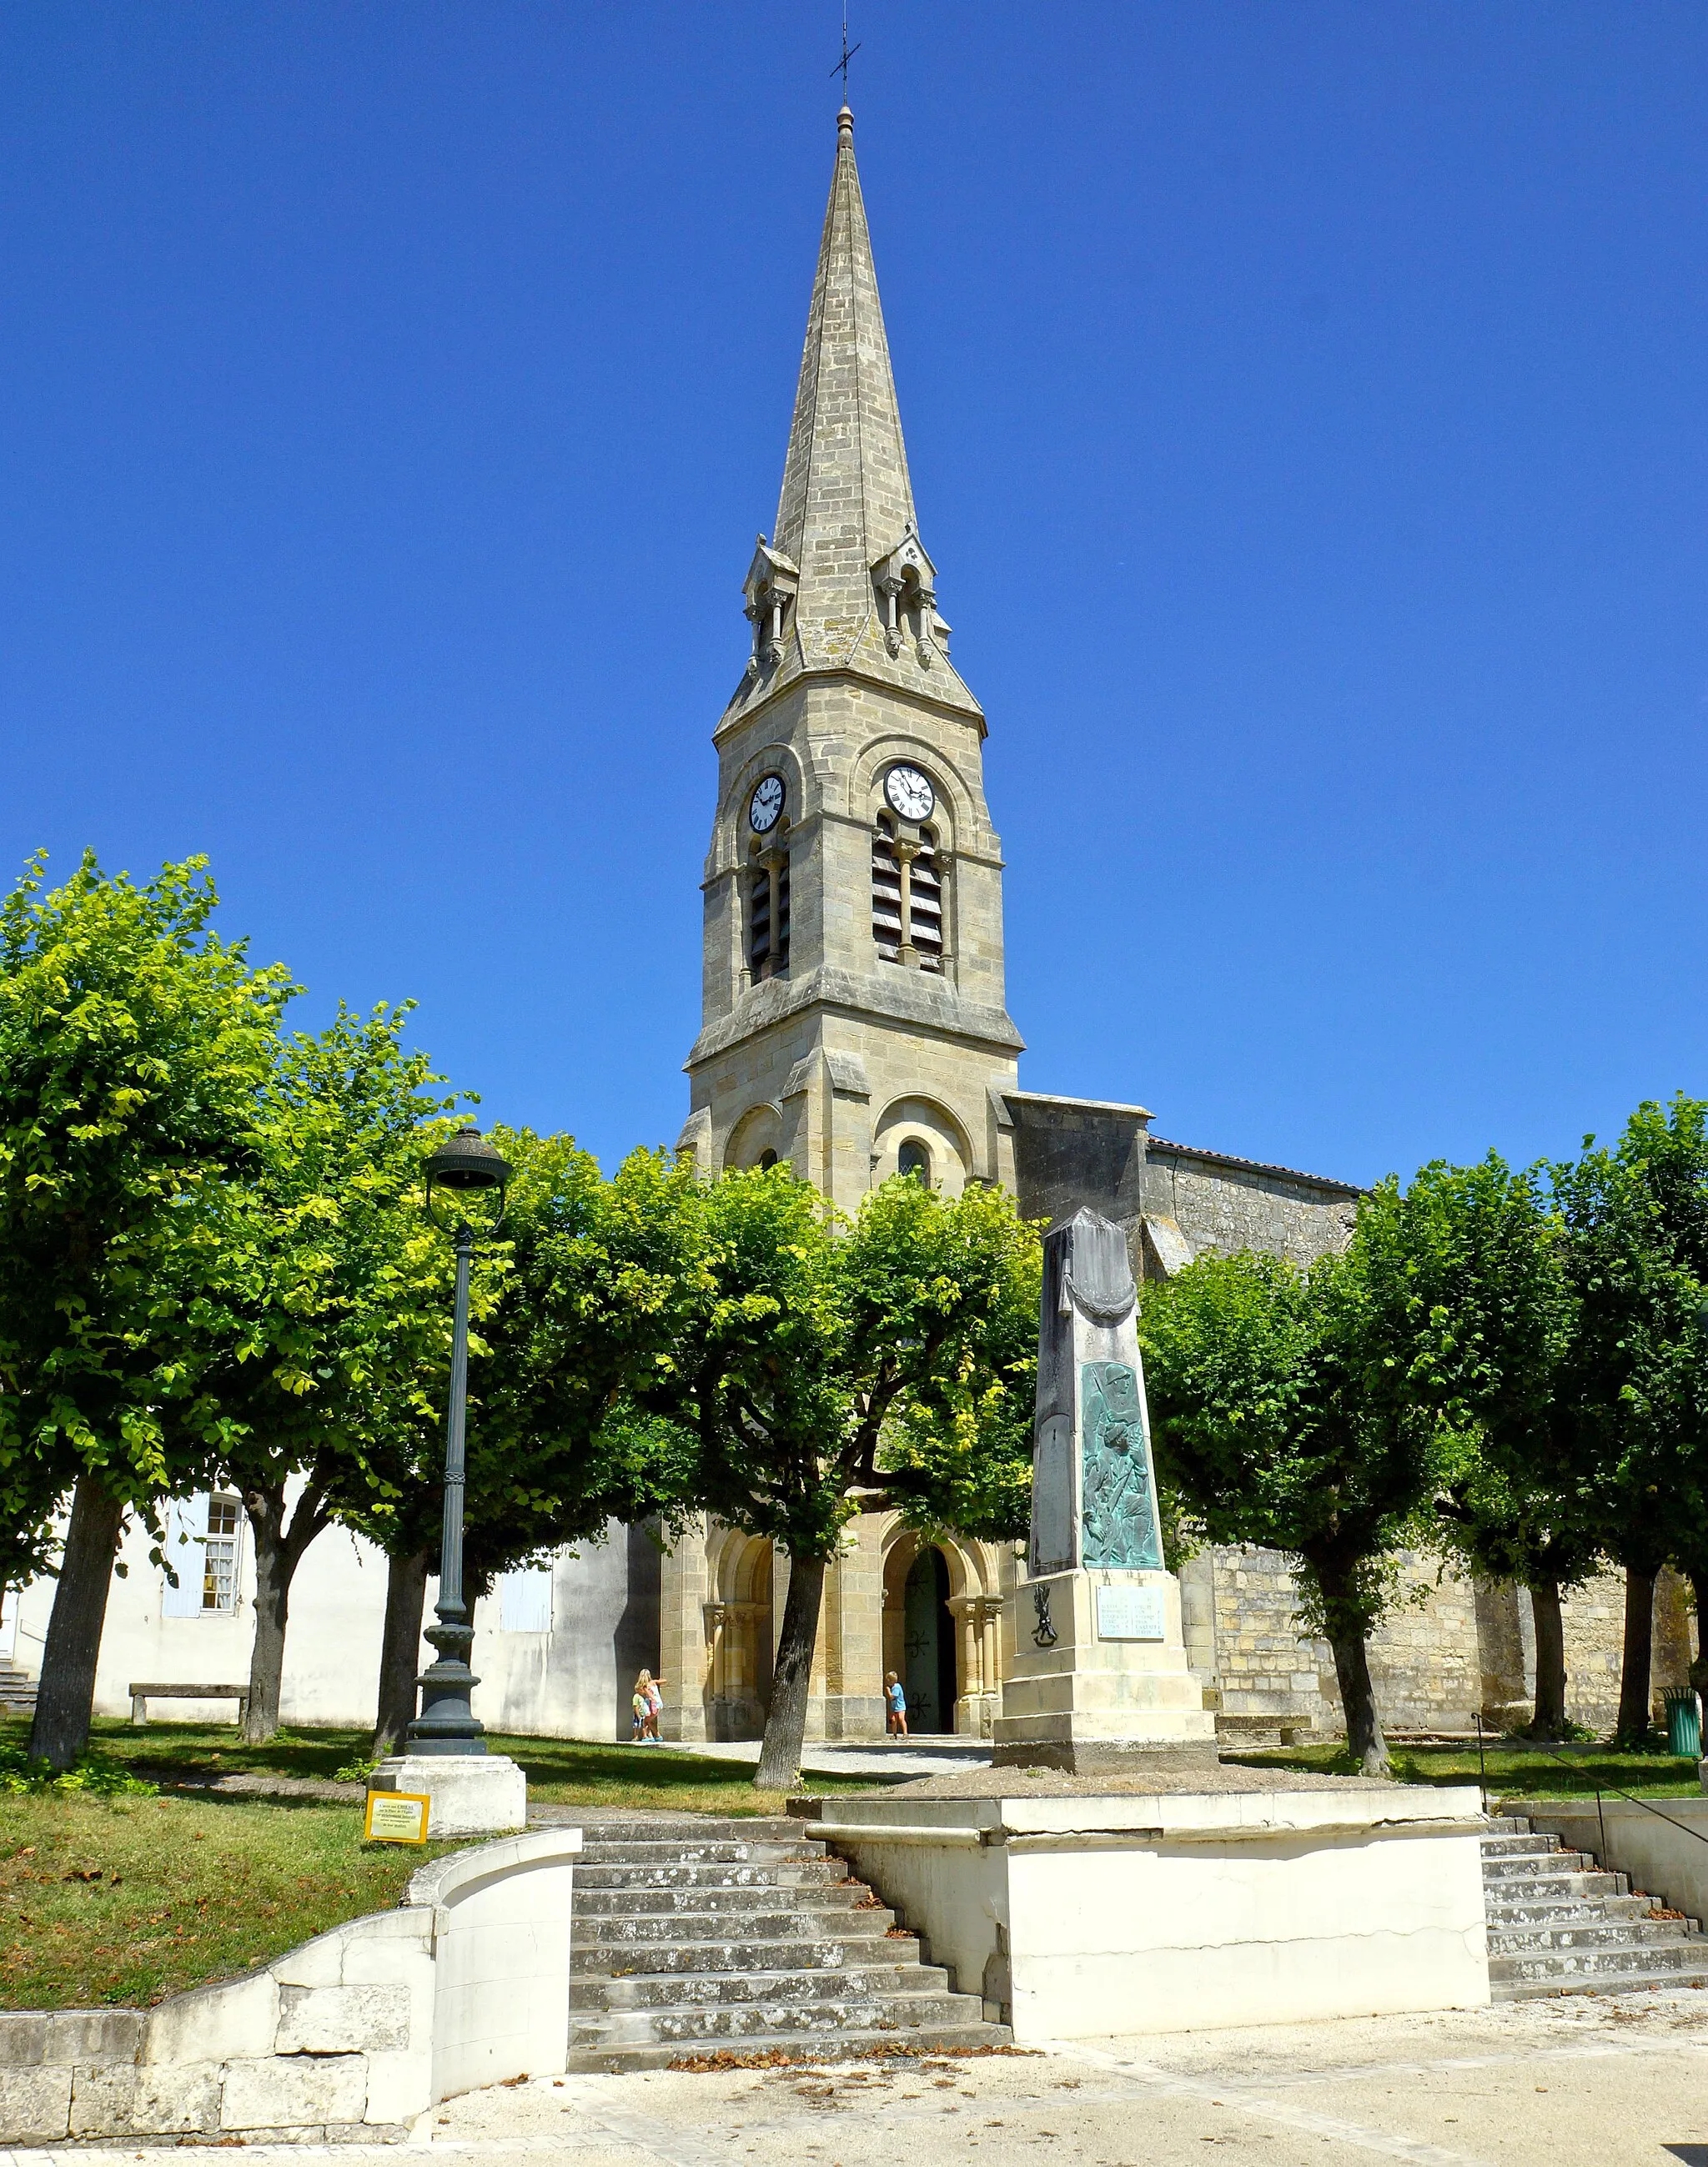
point(848, 54)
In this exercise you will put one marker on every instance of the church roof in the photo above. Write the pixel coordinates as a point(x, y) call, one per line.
point(847, 500)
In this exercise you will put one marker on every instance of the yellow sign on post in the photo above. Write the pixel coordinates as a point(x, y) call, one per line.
point(396, 1817)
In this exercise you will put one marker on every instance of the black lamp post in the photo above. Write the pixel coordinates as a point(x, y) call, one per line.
point(447, 1724)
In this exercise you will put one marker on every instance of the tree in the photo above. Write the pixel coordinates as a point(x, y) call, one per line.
point(1480, 1290)
point(1636, 1218)
point(588, 1288)
point(133, 1042)
point(326, 1331)
point(829, 1369)
point(1280, 1412)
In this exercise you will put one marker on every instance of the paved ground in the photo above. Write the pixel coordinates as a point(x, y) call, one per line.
point(918, 1757)
point(1585, 2083)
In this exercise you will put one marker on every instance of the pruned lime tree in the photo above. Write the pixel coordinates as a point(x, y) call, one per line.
point(1635, 1383)
point(586, 1287)
point(1483, 1297)
point(822, 1368)
point(1283, 1415)
point(322, 1330)
point(134, 1042)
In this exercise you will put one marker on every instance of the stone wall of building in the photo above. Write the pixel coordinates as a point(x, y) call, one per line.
point(1451, 1648)
point(1223, 1205)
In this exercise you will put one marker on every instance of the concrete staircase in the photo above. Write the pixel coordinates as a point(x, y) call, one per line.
point(1558, 1925)
point(18, 1689)
point(694, 1936)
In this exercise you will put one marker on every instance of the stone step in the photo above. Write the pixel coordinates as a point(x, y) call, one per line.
point(1519, 1846)
point(667, 1874)
point(1588, 1934)
point(635, 1929)
point(660, 1959)
point(835, 1902)
point(1562, 1911)
point(668, 1828)
point(796, 2047)
point(709, 1989)
point(749, 2020)
point(1508, 1825)
point(1551, 1860)
point(1592, 1884)
point(1681, 1954)
point(1535, 1990)
point(726, 1852)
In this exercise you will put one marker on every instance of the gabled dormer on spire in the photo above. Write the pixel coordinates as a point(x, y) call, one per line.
point(846, 581)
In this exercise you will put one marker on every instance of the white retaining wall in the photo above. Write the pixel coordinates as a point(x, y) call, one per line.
point(352, 2035)
point(1081, 1916)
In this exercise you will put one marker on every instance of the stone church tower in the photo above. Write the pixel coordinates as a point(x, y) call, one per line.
point(853, 1014)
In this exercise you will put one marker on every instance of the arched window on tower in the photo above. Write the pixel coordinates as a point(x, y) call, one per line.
point(767, 912)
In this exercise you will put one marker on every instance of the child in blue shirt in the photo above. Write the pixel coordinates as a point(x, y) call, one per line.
point(897, 1705)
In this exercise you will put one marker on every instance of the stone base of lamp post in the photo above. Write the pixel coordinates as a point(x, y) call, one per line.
point(473, 1793)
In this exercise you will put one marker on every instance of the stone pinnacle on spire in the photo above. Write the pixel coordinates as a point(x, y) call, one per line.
point(846, 500)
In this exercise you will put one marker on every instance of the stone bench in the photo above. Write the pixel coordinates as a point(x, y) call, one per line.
point(140, 1696)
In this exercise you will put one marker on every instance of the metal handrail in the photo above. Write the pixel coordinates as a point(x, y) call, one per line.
point(1701, 1835)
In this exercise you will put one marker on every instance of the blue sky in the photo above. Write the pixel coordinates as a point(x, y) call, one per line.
point(1306, 410)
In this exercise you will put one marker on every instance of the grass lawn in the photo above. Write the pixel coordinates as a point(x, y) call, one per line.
point(125, 1901)
point(1513, 1770)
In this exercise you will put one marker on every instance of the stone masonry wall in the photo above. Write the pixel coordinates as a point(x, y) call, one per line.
point(1450, 1649)
point(1224, 1205)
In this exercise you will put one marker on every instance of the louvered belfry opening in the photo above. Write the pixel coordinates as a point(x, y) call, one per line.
point(925, 902)
point(768, 893)
point(886, 890)
point(907, 898)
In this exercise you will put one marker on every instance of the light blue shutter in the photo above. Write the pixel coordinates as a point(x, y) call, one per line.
point(185, 1535)
point(525, 1601)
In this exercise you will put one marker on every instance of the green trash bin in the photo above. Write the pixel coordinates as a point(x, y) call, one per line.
point(1684, 1726)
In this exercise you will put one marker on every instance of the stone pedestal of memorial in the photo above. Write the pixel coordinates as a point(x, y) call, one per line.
point(473, 1793)
point(1098, 1679)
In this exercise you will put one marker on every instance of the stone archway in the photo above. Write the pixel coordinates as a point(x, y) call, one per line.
point(943, 1596)
point(740, 1638)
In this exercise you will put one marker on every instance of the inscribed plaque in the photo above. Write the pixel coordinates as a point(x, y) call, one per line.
point(1118, 1510)
point(1130, 1613)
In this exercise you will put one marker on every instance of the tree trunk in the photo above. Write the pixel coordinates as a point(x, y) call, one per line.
point(786, 1724)
point(278, 1551)
point(66, 1696)
point(1634, 1666)
point(400, 1651)
point(1364, 1739)
point(1548, 1718)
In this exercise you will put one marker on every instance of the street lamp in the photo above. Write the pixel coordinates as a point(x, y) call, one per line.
point(463, 1164)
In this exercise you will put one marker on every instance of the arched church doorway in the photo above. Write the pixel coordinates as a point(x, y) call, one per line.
point(929, 1637)
point(740, 1632)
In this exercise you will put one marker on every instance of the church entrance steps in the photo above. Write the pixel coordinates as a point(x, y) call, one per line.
point(1557, 1924)
point(690, 1935)
point(18, 1689)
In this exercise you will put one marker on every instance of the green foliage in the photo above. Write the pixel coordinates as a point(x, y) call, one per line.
point(1283, 1415)
point(831, 1368)
point(96, 1777)
point(1477, 1282)
point(1635, 1383)
point(133, 1043)
point(325, 1322)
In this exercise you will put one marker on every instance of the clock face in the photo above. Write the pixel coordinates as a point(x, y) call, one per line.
point(765, 804)
point(910, 793)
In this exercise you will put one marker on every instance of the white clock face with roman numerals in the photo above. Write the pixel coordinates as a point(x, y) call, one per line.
point(910, 792)
point(765, 804)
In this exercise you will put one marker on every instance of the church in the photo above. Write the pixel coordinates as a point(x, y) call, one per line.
point(856, 1025)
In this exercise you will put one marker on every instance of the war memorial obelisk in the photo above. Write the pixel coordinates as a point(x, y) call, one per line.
point(1099, 1676)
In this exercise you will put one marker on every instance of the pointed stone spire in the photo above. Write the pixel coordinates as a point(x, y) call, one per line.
point(846, 498)
point(846, 519)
